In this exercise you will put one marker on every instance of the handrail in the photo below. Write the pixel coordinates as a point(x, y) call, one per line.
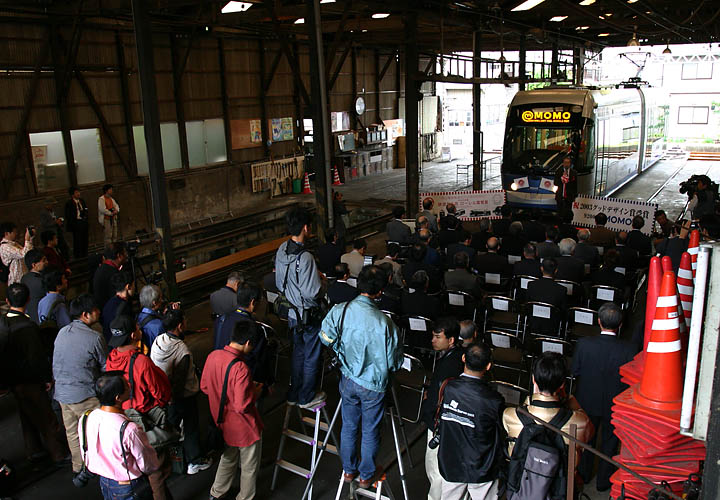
point(592, 450)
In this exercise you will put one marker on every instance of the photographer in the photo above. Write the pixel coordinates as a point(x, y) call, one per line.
point(115, 256)
point(367, 347)
point(11, 253)
point(153, 309)
point(703, 201)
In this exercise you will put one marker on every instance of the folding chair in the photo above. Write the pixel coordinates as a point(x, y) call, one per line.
point(501, 313)
point(542, 319)
point(520, 284)
point(396, 319)
point(414, 378)
point(507, 353)
point(495, 283)
point(574, 291)
point(512, 259)
point(271, 335)
point(418, 333)
point(462, 305)
point(540, 345)
point(581, 322)
point(602, 293)
point(513, 395)
point(271, 298)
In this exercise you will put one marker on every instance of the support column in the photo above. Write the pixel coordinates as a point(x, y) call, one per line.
point(225, 100)
point(376, 61)
point(321, 117)
point(124, 92)
point(522, 60)
point(60, 69)
point(153, 141)
point(179, 108)
point(579, 64)
point(354, 89)
point(263, 108)
point(554, 61)
point(412, 91)
point(299, 114)
point(477, 115)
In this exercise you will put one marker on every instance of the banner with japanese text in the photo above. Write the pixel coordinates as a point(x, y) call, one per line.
point(619, 212)
point(470, 205)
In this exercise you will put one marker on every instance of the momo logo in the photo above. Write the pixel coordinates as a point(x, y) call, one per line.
point(454, 403)
point(546, 116)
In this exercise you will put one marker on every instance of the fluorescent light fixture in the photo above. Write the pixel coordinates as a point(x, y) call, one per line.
point(557, 19)
point(380, 15)
point(527, 5)
point(233, 6)
point(608, 14)
point(601, 17)
point(603, 34)
point(364, 31)
point(587, 2)
point(327, 1)
point(300, 21)
point(631, 1)
point(582, 28)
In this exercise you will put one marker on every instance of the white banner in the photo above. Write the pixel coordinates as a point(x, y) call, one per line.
point(470, 205)
point(620, 213)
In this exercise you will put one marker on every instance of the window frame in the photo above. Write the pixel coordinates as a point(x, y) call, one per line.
point(693, 122)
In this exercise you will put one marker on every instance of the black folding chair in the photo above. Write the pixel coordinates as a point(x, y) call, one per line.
point(508, 354)
point(542, 319)
point(520, 284)
point(413, 378)
point(502, 313)
point(581, 322)
point(462, 305)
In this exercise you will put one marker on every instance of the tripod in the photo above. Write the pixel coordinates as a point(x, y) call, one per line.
point(391, 407)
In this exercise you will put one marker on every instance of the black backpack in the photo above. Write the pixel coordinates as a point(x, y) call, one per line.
point(538, 465)
point(4, 271)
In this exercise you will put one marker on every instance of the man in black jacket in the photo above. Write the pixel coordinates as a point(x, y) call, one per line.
point(27, 371)
point(627, 256)
point(470, 455)
point(76, 221)
point(341, 290)
point(417, 302)
point(329, 253)
point(529, 265)
point(607, 275)
point(636, 239)
point(546, 290)
point(569, 267)
point(584, 250)
point(396, 229)
point(446, 343)
point(36, 262)
point(115, 255)
point(596, 364)
point(492, 261)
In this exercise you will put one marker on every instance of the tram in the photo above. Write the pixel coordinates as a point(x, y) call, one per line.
point(612, 135)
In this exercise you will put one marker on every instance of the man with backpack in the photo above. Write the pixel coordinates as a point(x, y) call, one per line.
point(301, 287)
point(232, 396)
point(52, 308)
point(468, 424)
point(538, 462)
point(153, 309)
point(27, 372)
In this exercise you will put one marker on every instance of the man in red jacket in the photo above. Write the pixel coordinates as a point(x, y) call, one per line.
point(240, 421)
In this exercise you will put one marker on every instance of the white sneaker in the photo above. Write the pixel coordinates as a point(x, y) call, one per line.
point(200, 465)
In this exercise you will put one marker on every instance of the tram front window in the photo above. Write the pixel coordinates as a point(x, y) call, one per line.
point(541, 148)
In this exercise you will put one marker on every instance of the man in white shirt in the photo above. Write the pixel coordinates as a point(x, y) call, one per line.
point(355, 259)
point(11, 253)
point(108, 210)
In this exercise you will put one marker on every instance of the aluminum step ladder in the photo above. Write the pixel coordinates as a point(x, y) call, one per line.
point(319, 421)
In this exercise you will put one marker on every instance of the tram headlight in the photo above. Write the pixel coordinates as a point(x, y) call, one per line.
point(555, 188)
point(513, 186)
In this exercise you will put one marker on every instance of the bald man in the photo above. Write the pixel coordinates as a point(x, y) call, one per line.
point(491, 261)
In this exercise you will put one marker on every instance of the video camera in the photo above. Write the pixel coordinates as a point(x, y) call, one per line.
point(689, 187)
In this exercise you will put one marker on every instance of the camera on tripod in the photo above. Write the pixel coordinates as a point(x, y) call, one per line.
point(690, 186)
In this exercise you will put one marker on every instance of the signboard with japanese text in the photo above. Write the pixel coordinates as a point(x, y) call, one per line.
point(619, 212)
point(470, 205)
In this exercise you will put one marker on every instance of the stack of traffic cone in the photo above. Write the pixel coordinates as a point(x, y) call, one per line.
point(693, 248)
point(667, 265)
point(631, 373)
point(686, 287)
point(336, 177)
point(647, 416)
point(306, 185)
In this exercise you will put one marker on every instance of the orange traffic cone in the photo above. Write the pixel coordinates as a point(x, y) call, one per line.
point(654, 279)
point(693, 247)
point(685, 286)
point(336, 177)
point(306, 185)
point(661, 387)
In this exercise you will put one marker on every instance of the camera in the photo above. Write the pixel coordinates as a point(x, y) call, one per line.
point(132, 247)
point(690, 187)
point(31, 230)
point(80, 480)
point(434, 442)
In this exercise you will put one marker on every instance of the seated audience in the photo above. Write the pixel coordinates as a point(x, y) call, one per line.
point(450, 219)
point(329, 253)
point(514, 241)
point(432, 256)
point(460, 278)
point(448, 364)
point(548, 248)
point(416, 262)
point(566, 229)
point(54, 258)
point(491, 261)
point(114, 257)
point(393, 252)
point(546, 290)
point(673, 246)
point(397, 231)
point(391, 294)
point(501, 226)
point(33, 279)
point(601, 236)
point(585, 251)
point(121, 303)
point(449, 232)
point(463, 245)
point(529, 265)
point(479, 239)
point(569, 267)
point(340, 290)
point(53, 306)
point(415, 300)
point(468, 332)
point(636, 239)
point(355, 259)
point(627, 257)
point(607, 275)
point(533, 228)
point(665, 224)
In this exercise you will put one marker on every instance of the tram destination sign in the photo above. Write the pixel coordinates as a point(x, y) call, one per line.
point(619, 212)
point(470, 205)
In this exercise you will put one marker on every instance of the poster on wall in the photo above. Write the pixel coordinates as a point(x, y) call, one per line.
point(255, 131)
point(281, 129)
point(620, 213)
point(40, 154)
point(470, 205)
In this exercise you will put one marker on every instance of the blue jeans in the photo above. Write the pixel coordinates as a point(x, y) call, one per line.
point(360, 403)
point(305, 362)
point(112, 490)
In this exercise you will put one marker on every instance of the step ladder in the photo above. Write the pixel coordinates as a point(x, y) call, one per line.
point(319, 421)
point(375, 490)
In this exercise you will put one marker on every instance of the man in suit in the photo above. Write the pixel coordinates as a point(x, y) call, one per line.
point(329, 253)
point(428, 204)
point(546, 290)
point(636, 239)
point(596, 364)
point(600, 235)
point(673, 246)
point(76, 221)
point(627, 257)
point(514, 241)
point(449, 232)
point(607, 275)
point(341, 290)
point(529, 265)
point(418, 302)
point(566, 229)
point(451, 219)
point(396, 229)
point(355, 259)
point(462, 246)
point(566, 185)
point(479, 239)
point(533, 228)
point(549, 248)
point(491, 261)
point(569, 268)
point(584, 250)
point(500, 226)
point(459, 278)
point(432, 256)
